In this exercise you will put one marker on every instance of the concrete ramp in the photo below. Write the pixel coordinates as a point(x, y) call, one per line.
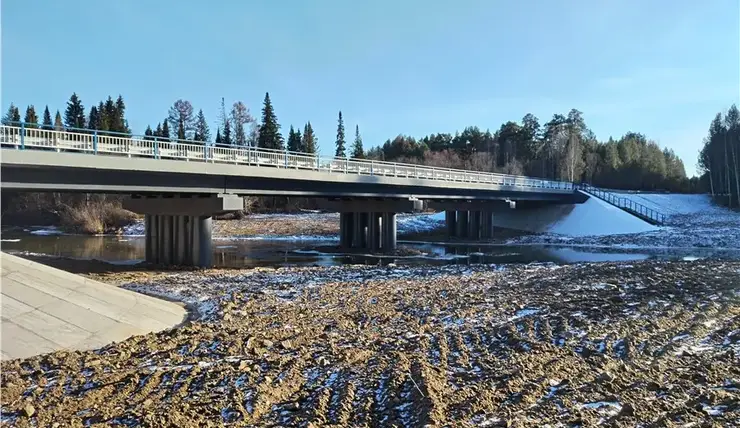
point(593, 217)
point(46, 309)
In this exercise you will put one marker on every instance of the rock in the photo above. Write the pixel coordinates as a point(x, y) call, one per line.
point(286, 344)
point(244, 366)
point(267, 343)
point(29, 410)
point(627, 410)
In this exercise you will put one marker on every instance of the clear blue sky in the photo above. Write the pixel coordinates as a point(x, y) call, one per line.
point(412, 67)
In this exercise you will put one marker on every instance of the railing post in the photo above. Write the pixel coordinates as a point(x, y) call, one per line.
point(156, 148)
point(318, 163)
point(286, 158)
point(371, 168)
point(95, 142)
point(23, 135)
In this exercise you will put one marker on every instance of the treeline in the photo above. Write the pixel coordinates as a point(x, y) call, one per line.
point(719, 158)
point(562, 149)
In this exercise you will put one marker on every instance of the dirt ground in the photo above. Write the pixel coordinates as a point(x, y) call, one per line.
point(640, 344)
point(279, 225)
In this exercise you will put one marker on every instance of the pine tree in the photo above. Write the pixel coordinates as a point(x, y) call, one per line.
point(202, 133)
point(294, 140)
point(32, 119)
point(341, 152)
point(309, 143)
point(47, 118)
point(13, 116)
point(218, 137)
point(269, 137)
point(93, 121)
point(148, 134)
point(58, 124)
point(74, 115)
point(181, 130)
point(165, 130)
point(225, 123)
point(357, 151)
point(121, 124)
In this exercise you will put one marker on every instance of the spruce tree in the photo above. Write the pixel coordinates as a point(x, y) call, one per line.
point(357, 151)
point(158, 130)
point(165, 130)
point(341, 152)
point(121, 125)
point(202, 133)
point(218, 137)
point(309, 143)
point(299, 140)
point(225, 124)
point(58, 124)
point(181, 130)
point(93, 122)
point(109, 116)
point(13, 116)
point(47, 119)
point(74, 115)
point(32, 119)
point(103, 122)
point(269, 137)
point(294, 140)
point(148, 134)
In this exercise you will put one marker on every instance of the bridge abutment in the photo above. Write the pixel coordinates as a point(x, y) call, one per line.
point(178, 230)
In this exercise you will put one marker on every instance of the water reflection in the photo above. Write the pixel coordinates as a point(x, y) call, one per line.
point(245, 253)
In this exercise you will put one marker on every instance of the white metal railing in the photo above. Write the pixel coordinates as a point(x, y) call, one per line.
point(107, 144)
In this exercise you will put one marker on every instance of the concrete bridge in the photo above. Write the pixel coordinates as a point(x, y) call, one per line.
point(180, 185)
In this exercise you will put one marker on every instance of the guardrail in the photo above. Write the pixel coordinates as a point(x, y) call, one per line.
point(648, 214)
point(33, 137)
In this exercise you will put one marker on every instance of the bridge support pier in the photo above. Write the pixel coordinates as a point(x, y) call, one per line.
point(369, 224)
point(178, 230)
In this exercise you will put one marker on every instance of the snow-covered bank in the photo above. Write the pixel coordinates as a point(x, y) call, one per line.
point(691, 221)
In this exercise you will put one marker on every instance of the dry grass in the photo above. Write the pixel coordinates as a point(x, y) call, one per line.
point(96, 217)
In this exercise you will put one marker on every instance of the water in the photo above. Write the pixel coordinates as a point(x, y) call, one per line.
point(250, 253)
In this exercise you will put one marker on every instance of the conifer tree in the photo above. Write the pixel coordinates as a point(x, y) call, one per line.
point(225, 123)
point(158, 130)
point(32, 119)
point(357, 151)
point(269, 136)
point(165, 130)
point(218, 137)
point(181, 130)
point(47, 119)
point(309, 143)
point(294, 140)
point(148, 134)
point(13, 116)
point(93, 121)
point(74, 115)
point(202, 133)
point(341, 152)
point(58, 124)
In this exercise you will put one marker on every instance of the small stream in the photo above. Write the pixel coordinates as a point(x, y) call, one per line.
point(267, 252)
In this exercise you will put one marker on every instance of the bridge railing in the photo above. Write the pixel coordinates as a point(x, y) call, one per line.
point(648, 214)
point(33, 137)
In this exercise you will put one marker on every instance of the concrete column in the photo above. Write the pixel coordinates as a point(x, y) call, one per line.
point(205, 245)
point(358, 230)
point(462, 224)
point(365, 225)
point(451, 223)
point(148, 228)
point(389, 232)
point(180, 244)
point(488, 221)
point(346, 226)
point(373, 231)
point(474, 225)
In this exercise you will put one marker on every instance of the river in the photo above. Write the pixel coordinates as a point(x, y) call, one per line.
point(281, 252)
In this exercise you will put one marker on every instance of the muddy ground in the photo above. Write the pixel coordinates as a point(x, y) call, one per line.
point(641, 344)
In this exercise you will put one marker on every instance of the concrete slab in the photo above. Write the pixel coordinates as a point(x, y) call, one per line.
point(46, 309)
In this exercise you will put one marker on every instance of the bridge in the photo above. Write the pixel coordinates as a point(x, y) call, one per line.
point(180, 185)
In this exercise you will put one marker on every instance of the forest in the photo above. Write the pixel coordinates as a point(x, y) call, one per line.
point(719, 158)
point(563, 148)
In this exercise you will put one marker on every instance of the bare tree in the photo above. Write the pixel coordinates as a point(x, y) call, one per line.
point(182, 110)
point(240, 116)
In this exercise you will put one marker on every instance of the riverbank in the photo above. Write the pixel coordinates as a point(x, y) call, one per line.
point(529, 345)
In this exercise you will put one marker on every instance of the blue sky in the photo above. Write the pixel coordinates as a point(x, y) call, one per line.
point(393, 67)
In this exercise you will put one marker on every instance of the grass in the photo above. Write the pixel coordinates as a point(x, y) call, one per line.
point(95, 217)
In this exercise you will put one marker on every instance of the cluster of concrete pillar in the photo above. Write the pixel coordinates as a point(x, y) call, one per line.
point(179, 240)
point(471, 225)
point(373, 231)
